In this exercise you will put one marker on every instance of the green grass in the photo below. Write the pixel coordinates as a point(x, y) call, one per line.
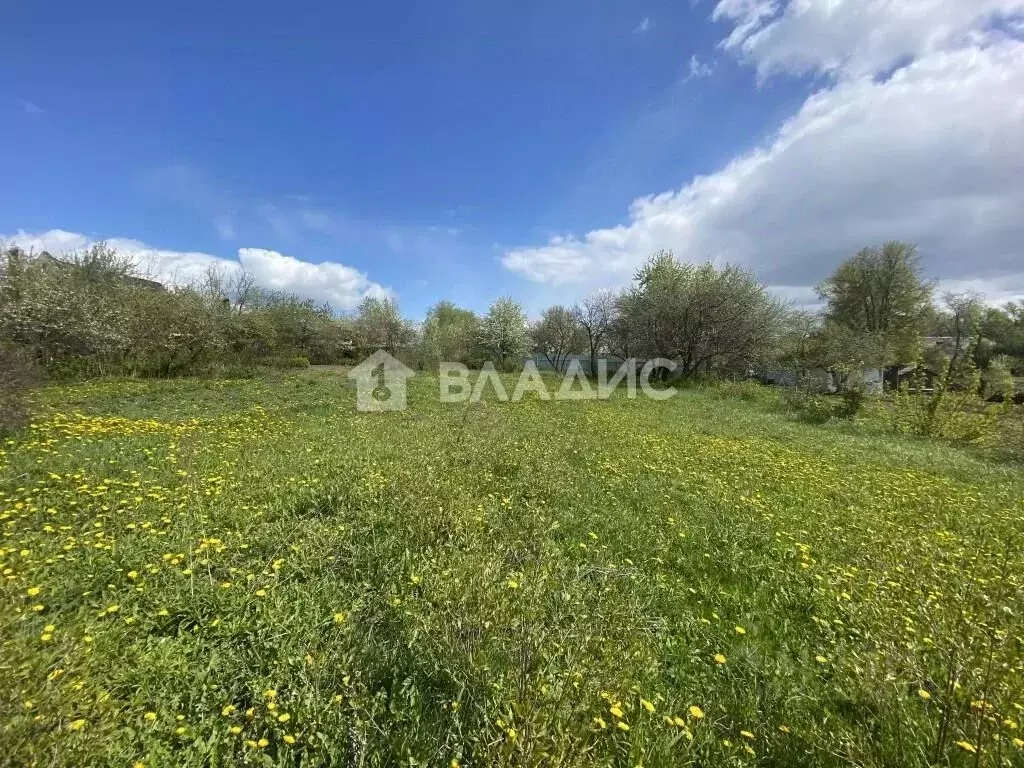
point(541, 583)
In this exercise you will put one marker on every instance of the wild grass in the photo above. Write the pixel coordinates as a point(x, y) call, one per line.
point(252, 573)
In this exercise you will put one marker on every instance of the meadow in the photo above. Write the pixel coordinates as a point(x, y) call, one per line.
point(214, 573)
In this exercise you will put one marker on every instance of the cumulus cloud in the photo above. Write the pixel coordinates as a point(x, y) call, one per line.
point(929, 153)
point(855, 37)
point(336, 283)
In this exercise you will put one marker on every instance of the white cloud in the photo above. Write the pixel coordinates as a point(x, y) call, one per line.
point(644, 26)
point(930, 154)
point(336, 283)
point(698, 68)
point(854, 37)
point(31, 108)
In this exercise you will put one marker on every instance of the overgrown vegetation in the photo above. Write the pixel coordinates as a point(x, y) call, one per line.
point(251, 573)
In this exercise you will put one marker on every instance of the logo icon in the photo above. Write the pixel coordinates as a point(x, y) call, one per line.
point(380, 383)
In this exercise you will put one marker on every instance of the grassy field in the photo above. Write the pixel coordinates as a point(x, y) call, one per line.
point(250, 572)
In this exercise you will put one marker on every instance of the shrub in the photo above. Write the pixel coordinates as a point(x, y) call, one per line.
point(747, 391)
point(809, 407)
point(285, 361)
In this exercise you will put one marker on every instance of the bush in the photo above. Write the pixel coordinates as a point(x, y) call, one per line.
point(17, 374)
point(285, 361)
point(809, 407)
point(747, 391)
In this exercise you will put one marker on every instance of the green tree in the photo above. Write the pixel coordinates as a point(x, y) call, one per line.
point(879, 294)
point(449, 334)
point(502, 333)
point(379, 325)
point(705, 319)
point(557, 335)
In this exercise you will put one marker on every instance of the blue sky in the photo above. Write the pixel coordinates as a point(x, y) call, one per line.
point(465, 150)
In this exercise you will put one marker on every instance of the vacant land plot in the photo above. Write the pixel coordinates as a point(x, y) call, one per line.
point(250, 572)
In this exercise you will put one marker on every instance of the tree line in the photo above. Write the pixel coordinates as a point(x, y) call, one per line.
point(91, 313)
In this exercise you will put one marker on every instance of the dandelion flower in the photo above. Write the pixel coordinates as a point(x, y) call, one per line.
point(696, 712)
point(77, 725)
point(740, 630)
point(235, 729)
point(284, 717)
point(262, 743)
point(720, 658)
point(33, 591)
point(616, 710)
point(678, 721)
point(924, 694)
point(513, 584)
point(261, 593)
point(649, 706)
point(622, 726)
point(600, 723)
point(289, 739)
point(339, 617)
point(966, 746)
point(746, 734)
point(150, 716)
point(821, 659)
point(228, 710)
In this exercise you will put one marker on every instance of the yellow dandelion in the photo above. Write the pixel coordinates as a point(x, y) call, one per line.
point(33, 591)
point(616, 710)
point(678, 721)
point(649, 706)
point(261, 593)
point(696, 712)
point(284, 717)
point(262, 743)
point(600, 723)
point(746, 734)
point(720, 658)
point(235, 729)
point(966, 746)
point(77, 725)
point(924, 694)
point(622, 726)
point(339, 617)
point(228, 710)
point(289, 739)
point(150, 716)
point(821, 659)
point(740, 630)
